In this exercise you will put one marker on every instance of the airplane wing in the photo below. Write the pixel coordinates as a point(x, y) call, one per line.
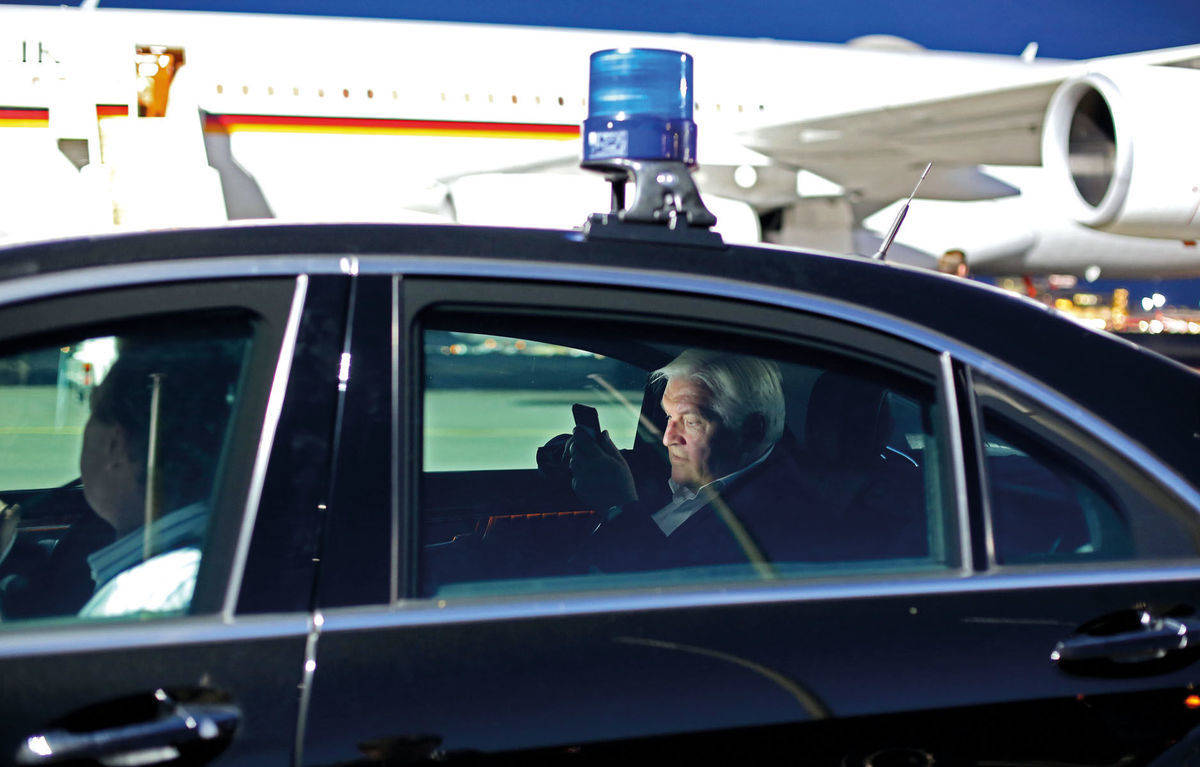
point(880, 151)
point(1181, 56)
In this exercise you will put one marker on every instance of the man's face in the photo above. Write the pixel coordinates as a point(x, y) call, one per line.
point(110, 486)
point(700, 446)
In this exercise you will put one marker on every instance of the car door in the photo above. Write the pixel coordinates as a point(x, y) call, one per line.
point(138, 681)
point(880, 646)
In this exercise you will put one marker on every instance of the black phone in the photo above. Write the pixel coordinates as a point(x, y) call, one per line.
point(587, 417)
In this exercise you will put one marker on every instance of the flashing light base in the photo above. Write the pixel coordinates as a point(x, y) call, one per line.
point(608, 226)
point(664, 193)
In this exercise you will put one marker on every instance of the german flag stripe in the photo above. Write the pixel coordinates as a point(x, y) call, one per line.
point(40, 117)
point(24, 117)
point(230, 123)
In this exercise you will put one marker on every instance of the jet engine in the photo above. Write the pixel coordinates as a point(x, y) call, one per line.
point(1121, 149)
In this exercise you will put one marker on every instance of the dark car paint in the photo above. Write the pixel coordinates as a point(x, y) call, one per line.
point(538, 682)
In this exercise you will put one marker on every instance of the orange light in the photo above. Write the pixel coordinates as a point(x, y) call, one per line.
point(1192, 701)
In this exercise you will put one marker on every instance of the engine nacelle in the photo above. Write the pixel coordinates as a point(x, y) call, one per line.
point(1123, 150)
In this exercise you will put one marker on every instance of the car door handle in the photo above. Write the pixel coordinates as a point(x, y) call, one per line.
point(179, 725)
point(1153, 639)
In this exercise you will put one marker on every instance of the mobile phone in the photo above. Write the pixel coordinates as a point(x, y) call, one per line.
point(587, 417)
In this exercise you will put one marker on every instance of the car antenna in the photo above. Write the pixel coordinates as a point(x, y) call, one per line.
point(881, 254)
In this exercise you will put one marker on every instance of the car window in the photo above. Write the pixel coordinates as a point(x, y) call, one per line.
point(111, 440)
point(713, 462)
point(1056, 496)
point(43, 407)
point(527, 387)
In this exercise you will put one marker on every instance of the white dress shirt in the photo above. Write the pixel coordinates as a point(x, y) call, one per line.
point(685, 502)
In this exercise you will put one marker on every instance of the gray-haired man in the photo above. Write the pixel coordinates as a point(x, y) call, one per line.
point(725, 414)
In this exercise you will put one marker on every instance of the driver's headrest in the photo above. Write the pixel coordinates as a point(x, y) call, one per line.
point(848, 421)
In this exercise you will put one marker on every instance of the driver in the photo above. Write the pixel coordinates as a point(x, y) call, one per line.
point(159, 509)
point(725, 414)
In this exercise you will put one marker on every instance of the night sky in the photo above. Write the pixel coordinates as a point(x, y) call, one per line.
point(1062, 28)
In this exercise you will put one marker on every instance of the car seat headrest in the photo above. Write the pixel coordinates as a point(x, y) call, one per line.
point(848, 421)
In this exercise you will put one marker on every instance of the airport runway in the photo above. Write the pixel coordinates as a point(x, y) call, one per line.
point(502, 429)
point(41, 433)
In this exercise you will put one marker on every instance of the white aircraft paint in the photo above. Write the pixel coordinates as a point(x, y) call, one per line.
point(862, 119)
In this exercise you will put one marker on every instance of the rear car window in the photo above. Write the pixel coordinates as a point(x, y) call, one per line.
point(490, 400)
point(845, 477)
point(1056, 496)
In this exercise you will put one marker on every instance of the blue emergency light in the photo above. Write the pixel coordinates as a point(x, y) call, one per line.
point(639, 107)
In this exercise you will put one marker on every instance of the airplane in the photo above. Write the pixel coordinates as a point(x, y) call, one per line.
point(124, 118)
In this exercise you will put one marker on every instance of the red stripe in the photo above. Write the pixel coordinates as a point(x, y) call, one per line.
point(231, 120)
point(112, 110)
point(24, 113)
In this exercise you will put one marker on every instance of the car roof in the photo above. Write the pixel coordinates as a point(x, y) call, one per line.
point(1153, 400)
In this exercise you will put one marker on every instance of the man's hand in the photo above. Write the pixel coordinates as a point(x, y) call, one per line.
point(599, 475)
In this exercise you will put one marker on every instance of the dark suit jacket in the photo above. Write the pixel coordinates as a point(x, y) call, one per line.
point(792, 509)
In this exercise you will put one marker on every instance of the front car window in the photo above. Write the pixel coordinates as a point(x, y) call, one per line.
point(111, 441)
point(731, 460)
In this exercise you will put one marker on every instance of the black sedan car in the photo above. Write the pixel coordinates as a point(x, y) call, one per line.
point(326, 500)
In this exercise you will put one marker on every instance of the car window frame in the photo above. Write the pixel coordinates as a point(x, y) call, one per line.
point(679, 310)
point(1119, 479)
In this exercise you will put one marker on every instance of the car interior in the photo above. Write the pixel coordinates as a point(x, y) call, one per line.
point(854, 455)
point(45, 571)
